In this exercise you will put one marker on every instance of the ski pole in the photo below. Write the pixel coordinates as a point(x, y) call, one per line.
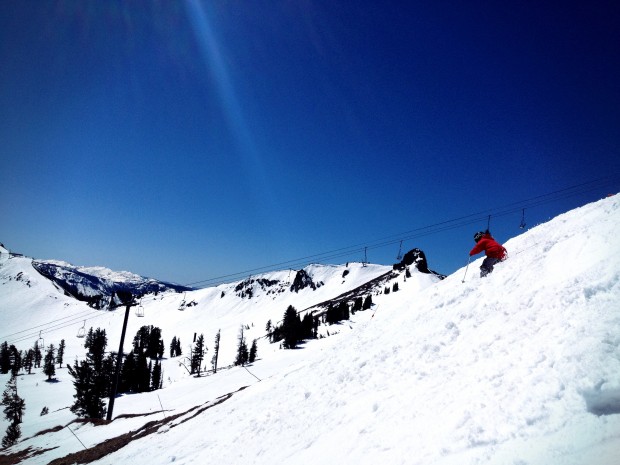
point(468, 260)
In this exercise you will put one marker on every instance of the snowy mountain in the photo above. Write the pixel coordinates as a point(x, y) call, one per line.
point(97, 285)
point(521, 367)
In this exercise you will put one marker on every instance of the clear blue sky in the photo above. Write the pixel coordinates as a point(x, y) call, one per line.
point(185, 140)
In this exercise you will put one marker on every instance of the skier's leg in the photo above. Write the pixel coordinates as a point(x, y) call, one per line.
point(487, 266)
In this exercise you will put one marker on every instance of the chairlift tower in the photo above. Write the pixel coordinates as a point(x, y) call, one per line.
point(127, 298)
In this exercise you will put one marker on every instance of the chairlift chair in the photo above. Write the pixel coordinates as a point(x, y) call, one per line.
point(40, 341)
point(140, 310)
point(82, 331)
point(400, 252)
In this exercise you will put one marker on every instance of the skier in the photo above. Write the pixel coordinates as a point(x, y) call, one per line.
point(494, 251)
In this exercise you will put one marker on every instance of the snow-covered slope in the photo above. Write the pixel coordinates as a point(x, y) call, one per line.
point(522, 367)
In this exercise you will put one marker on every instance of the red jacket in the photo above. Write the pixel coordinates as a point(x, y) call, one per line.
point(491, 247)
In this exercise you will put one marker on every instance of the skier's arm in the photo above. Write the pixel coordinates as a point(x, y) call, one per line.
point(479, 247)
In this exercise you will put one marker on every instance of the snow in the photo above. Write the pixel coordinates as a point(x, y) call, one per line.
point(521, 367)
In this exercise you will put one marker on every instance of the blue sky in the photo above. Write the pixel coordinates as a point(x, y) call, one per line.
point(189, 140)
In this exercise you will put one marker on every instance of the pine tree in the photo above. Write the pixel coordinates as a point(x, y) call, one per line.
point(330, 315)
point(88, 393)
point(157, 376)
point(16, 359)
point(367, 302)
point(13, 433)
point(128, 381)
point(343, 311)
point(38, 356)
point(154, 343)
point(14, 405)
point(395, 287)
point(253, 350)
point(48, 366)
point(173, 347)
point(96, 344)
point(92, 377)
point(198, 355)
point(29, 360)
point(291, 326)
point(143, 374)
point(141, 340)
point(242, 349)
point(5, 359)
point(307, 326)
point(216, 351)
point(61, 353)
point(268, 328)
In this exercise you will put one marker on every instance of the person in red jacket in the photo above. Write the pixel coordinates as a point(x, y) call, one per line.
point(494, 251)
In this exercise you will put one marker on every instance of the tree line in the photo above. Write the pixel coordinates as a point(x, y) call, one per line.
point(295, 329)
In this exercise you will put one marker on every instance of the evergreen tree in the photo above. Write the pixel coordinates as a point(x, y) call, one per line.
point(307, 326)
point(357, 305)
point(92, 377)
point(242, 349)
point(330, 315)
point(216, 351)
point(5, 359)
point(148, 340)
point(173, 347)
point(276, 334)
point(96, 344)
point(88, 393)
point(143, 373)
point(29, 360)
point(16, 359)
point(108, 373)
point(154, 343)
point(157, 376)
point(343, 311)
point(291, 326)
point(198, 355)
point(48, 366)
point(61, 353)
point(367, 302)
point(268, 328)
point(14, 405)
point(253, 350)
point(141, 340)
point(38, 356)
point(128, 381)
point(395, 287)
point(13, 433)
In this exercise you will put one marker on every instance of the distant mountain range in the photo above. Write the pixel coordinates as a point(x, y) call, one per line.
point(97, 285)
